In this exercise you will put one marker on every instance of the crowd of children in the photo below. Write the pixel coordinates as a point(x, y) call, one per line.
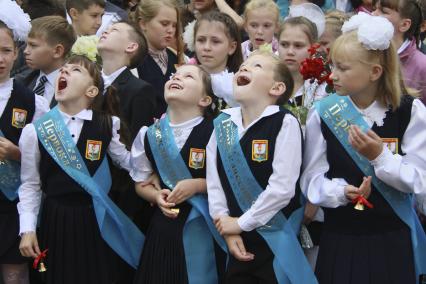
point(212, 141)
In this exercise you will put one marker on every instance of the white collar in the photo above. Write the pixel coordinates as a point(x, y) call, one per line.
point(109, 79)
point(189, 123)
point(6, 89)
point(404, 46)
point(85, 114)
point(374, 113)
point(51, 77)
point(236, 115)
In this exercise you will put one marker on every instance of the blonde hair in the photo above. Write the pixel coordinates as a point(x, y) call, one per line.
point(148, 10)
point(253, 5)
point(309, 28)
point(390, 85)
point(54, 30)
point(334, 20)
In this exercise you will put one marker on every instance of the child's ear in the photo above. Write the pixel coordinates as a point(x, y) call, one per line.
point(74, 14)
point(232, 48)
point(278, 89)
point(92, 91)
point(132, 47)
point(423, 26)
point(205, 101)
point(58, 51)
point(404, 25)
point(376, 72)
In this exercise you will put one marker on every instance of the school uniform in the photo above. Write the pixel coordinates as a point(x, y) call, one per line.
point(151, 72)
point(374, 245)
point(68, 225)
point(276, 167)
point(18, 106)
point(32, 79)
point(163, 256)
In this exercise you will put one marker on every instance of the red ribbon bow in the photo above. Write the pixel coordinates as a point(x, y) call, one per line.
point(361, 199)
point(39, 258)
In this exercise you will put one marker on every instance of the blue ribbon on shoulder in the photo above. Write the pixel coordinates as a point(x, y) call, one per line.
point(338, 113)
point(118, 231)
point(290, 264)
point(10, 177)
point(199, 230)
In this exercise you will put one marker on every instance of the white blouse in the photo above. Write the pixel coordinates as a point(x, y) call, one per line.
point(6, 88)
point(405, 173)
point(286, 165)
point(141, 167)
point(30, 191)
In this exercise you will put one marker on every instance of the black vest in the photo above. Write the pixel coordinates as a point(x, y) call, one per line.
point(149, 71)
point(21, 100)
point(54, 180)
point(267, 128)
point(381, 218)
point(198, 139)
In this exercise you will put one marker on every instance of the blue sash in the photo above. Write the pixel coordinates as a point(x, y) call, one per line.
point(290, 264)
point(199, 229)
point(10, 177)
point(339, 113)
point(116, 228)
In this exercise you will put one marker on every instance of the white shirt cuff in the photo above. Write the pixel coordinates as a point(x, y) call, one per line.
point(27, 223)
point(341, 196)
point(247, 223)
point(382, 159)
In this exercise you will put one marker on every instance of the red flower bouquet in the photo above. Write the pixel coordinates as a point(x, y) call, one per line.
point(317, 67)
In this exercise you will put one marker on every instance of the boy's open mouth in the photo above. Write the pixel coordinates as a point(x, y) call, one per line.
point(243, 80)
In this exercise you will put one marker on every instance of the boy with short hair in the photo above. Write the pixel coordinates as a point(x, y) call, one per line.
point(49, 41)
point(253, 163)
point(86, 15)
point(122, 47)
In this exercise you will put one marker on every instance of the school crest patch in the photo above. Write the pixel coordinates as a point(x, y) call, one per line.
point(197, 158)
point(19, 116)
point(391, 143)
point(93, 150)
point(259, 150)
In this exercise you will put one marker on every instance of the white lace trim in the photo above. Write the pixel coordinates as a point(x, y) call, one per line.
point(375, 113)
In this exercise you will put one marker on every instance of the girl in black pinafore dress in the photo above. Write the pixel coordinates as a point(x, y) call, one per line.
point(77, 253)
point(370, 246)
point(189, 95)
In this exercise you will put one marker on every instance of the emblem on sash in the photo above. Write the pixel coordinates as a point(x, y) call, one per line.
point(259, 150)
point(93, 150)
point(392, 144)
point(19, 116)
point(196, 158)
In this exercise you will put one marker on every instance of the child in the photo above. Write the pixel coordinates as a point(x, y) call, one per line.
point(80, 226)
point(261, 22)
point(406, 17)
point(48, 43)
point(345, 165)
point(247, 194)
point(296, 36)
point(18, 107)
point(175, 250)
point(122, 47)
point(217, 48)
point(86, 15)
point(158, 20)
point(333, 29)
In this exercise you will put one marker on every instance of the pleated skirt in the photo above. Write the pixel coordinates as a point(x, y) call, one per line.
point(9, 233)
point(376, 258)
point(163, 255)
point(77, 253)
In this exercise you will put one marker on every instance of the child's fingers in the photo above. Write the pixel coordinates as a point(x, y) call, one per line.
point(373, 135)
point(243, 255)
